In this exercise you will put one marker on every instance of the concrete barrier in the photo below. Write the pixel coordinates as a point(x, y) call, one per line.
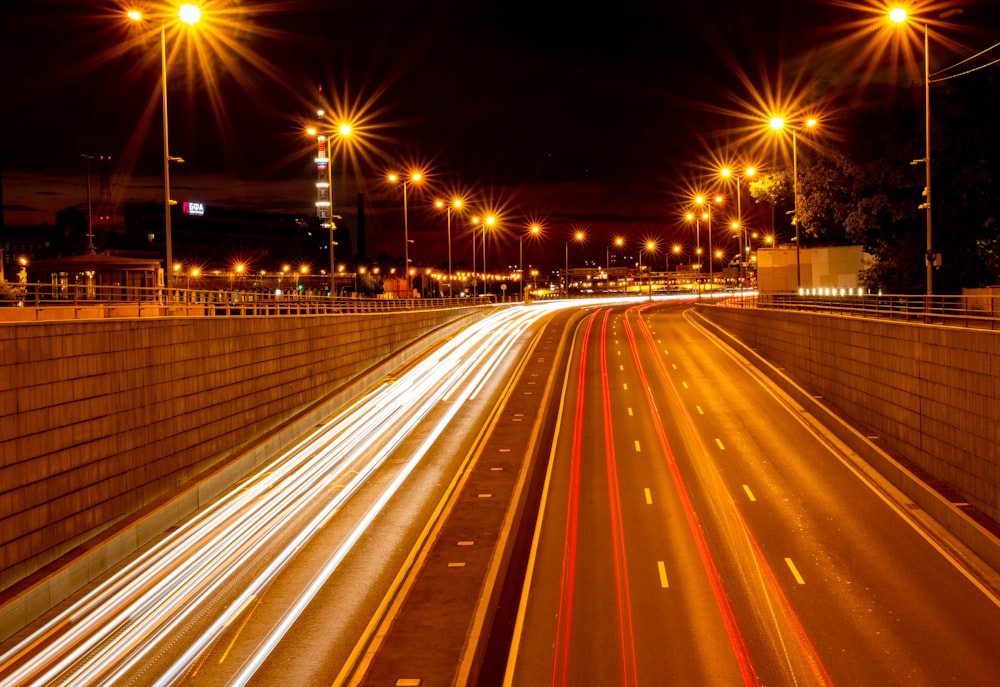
point(102, 419)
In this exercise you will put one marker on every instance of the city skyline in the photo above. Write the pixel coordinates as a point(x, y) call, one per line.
point(595, 120)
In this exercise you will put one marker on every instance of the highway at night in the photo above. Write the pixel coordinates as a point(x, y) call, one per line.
point(697, 529)
point(275, 580)
point(696, 526)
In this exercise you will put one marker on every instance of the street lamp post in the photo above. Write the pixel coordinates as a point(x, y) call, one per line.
point(475, 222)
point(650, 246)
point(701, 200)
point(779, 123)
point(414, 177)
point(457, 203)
point(578, 236)
point(899, 16)
point(533, 230)
point(189, 14)
point(488, 222)
point(727, 173)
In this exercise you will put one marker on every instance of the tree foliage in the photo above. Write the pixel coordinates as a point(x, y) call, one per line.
point(863, 189)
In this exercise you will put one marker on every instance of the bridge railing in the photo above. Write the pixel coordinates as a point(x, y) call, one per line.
point(33, 302)
point(979, 311)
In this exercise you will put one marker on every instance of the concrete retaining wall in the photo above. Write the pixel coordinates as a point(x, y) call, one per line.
point(99, 419)
point(931, 394)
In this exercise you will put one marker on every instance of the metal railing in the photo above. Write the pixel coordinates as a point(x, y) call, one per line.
point(34, 302)
point(977, 311)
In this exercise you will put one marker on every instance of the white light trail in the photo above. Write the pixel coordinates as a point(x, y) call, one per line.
point(124, 623)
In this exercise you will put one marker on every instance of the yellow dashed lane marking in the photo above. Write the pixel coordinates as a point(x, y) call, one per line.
point(795, 572)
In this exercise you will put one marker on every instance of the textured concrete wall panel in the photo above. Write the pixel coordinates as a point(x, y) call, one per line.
point(101, 418)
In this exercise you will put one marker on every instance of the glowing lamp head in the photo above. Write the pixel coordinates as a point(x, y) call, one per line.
point(750, 171)
point(777, 123)
point(134, 15)
point(416, 176)
point(897, 15)
point(190, 14)
point(726, 172)
point(811, 122)
point(344, 129)
point(394, 178)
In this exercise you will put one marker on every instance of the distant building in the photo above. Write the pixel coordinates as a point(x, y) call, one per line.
point(211, 237)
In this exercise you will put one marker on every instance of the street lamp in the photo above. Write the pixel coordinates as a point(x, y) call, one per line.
point(324, 205)
point(188, 14)
point(578, 236)
point(650, 248)
point(779, 124)
point(899, 15)
point(533, 230)
point(475, 223)
point(676, 250)
point(456, 204)
point(703, 201)
point(414, 177)
point(488, 222)
point(729, 173)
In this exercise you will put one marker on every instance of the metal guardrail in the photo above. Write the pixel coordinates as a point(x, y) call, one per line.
point(36, 302)
point(974, 311)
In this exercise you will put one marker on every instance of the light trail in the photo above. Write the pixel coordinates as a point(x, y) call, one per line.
point(626, 626)
point(740, 650)
point(226, 555)
point(771, 590)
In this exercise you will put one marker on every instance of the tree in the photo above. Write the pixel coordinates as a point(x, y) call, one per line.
point(864, 189)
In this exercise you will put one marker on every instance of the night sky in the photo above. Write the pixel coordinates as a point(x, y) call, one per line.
point(601, 117)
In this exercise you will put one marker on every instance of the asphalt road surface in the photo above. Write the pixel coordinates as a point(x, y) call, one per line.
point(698, 529)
